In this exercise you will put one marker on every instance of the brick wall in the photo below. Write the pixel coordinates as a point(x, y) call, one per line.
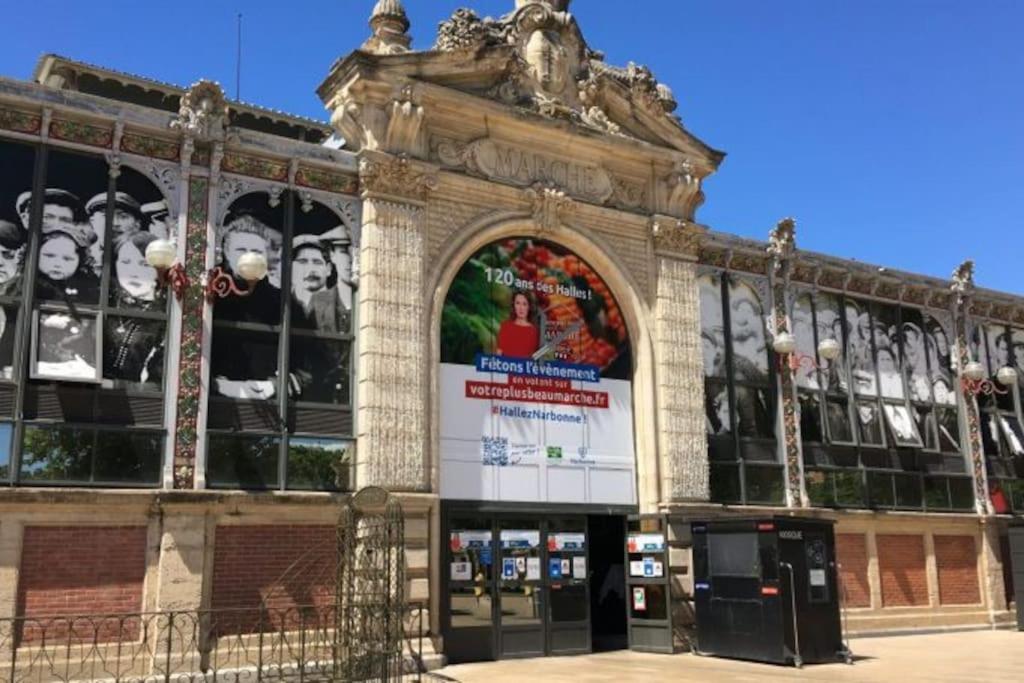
point(82, 570)
point(956, 559)
point(901, 563)
point(852, 555)
point(280, 567)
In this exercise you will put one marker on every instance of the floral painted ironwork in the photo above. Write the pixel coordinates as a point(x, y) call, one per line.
point(82, 133)
point(255, 167)
point(144, 145)
point(318, 179)
point(191, 335)
point(20, 121)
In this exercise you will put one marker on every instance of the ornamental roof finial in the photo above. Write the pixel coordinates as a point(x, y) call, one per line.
point(390, 26)
point(557, 5)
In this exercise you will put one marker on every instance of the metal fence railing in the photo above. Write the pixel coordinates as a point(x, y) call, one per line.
point(259, 644)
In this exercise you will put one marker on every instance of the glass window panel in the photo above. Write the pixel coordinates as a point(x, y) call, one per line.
point(765, 484)
point(838, 420)
point(990, 434)
point(725, 483)
point(319, 465)
point(915, 356)
point(252, 226)
point(819, 488)
point(803, 331)
point(849, 488)
point(862, 366)
point(869, 423)
point(1017, 340)
point(830, 325)
point(569, 603)
point(470, 544)
point(56, 454)
point(885, 333)
point(653, 599)
point(321, 281)
point(717, 419)
point(908, 490)
point(902, 426)
point(1013, 435)
point(881, 458)
point(940, 365)
point(73, 228)
point(961, 492)
point(244, 364)
point(16, 173)
point(128, 457)
point(949, 430)
point(936, 493)
point(810, 418)
point(133, 351)
point(242, 461)
point(845, 456)
point(924, 416)
point(133, 282)
point(755, 412)
point(6, 432)
point(734, 554)
point(880, 489)
point(153, 215)
point(712, 326)
point(319, 370)
point(722, 448)
point(470, 606)
point(749, 335)
point(65, 346)
point(8, 334)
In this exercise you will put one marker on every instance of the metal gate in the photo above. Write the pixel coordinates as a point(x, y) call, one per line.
point(370, 590)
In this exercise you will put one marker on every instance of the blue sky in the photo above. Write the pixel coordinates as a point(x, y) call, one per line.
point(890, 129)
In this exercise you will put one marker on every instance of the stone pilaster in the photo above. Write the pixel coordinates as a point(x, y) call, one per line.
point(10, 561)
point(392, 418)
point(682, 441)
point(991, 569)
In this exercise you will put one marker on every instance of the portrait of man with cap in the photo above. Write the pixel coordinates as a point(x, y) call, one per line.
point(12, 256)
point(60, 208)
point(310, 271)
point(156, 216)
point(332, 307)
point(127, 219)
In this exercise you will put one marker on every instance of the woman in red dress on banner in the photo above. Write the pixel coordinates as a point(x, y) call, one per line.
point(517, 336)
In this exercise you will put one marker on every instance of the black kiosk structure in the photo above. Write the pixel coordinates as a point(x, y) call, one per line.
point(767, 590)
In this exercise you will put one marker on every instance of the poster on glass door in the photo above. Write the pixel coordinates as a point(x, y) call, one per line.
point(535, 380)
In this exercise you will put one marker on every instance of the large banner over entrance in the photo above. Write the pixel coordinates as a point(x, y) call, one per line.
point(536, 400)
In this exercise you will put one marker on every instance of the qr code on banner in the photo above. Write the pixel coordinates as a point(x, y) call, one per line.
point(495, 450)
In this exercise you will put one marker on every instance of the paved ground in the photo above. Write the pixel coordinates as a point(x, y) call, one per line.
point(982, 656)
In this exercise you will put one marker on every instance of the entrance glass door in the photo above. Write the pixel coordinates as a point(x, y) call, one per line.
point(521, 589)
point(470, 592)
point(568, 593)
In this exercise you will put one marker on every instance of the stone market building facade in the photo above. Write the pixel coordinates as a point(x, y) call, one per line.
point(486, 290)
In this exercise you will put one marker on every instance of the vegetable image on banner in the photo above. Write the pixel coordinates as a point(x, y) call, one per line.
point(536, 367)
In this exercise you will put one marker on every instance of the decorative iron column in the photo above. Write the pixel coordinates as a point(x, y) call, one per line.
point(963, 290)
point(781, 248)
point(682, 441)
point(202, 119)
point(393, 422)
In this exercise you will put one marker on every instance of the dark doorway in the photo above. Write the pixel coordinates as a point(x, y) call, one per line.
point(608, 583)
